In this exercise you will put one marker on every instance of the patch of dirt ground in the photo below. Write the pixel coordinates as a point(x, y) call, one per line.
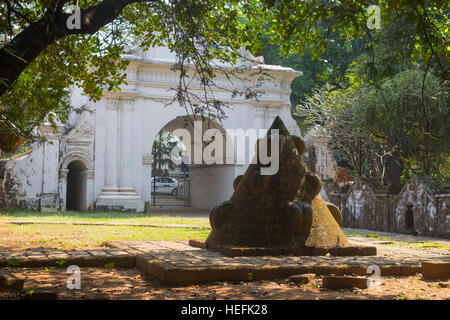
point(130, 284)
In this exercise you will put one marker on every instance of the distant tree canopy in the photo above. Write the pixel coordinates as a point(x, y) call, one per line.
point(412, 34)
point(331, 67)
point(40, 57)
point(162, 150)
point(381, 96)
point(369, 126)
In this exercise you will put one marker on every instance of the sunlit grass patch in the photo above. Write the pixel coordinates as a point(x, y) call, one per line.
point(369, 235)
point(80, 236)
point(105, 217)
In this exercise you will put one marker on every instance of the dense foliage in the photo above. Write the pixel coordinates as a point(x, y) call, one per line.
point(368, 126)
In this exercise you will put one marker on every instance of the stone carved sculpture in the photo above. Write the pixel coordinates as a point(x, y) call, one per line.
point(281, 213)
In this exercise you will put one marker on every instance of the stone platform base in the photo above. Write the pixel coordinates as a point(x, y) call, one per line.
point(230, 251)
point(178, 263)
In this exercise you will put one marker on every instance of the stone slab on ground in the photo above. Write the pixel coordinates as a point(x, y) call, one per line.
point(10, 283)
point(302, 278)
point(58, 258)
point(344, 282)
point(436, 269)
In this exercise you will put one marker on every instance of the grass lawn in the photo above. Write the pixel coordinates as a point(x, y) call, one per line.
point(86, 236)
point(107, 217)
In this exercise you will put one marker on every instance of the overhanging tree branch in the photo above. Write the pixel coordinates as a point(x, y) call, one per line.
point(28, 44)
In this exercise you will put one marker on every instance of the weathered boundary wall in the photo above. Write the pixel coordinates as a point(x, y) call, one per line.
point(375, 214)
point(362, 208)
point(422, 206)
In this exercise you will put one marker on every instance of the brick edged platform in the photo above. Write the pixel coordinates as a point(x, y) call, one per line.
point(82, 258)
point(178, 263)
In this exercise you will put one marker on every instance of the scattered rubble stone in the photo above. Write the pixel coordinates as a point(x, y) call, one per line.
point(10, 283)
point(302, 278)
point(344, 282)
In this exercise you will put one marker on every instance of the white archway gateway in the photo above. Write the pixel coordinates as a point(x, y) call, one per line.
point(208, 183)
point(114, 141)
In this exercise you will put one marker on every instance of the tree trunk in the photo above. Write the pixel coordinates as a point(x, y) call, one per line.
point(393, 174)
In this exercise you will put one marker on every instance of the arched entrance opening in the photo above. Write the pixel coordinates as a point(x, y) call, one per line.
point(202, 177)
point(170, 179)
point(409, 219)
point(76, 186)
